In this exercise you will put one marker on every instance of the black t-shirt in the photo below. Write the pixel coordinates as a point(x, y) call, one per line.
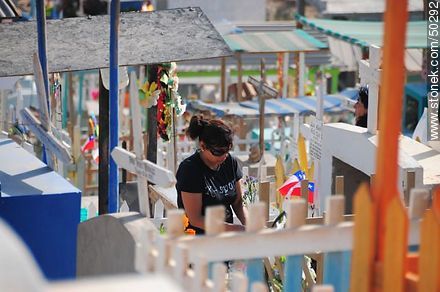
point(216, 186)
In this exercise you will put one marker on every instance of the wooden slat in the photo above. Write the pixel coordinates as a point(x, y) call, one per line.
point(264, 195)
point(255, 222)
point(339, 185)
point(429, 261)
point(279, 180)
point(82, 43)
point(302, 153)
point(363, 241)
point(390, 114)
point(336, 264)
point(410, 184)
point(395, 247)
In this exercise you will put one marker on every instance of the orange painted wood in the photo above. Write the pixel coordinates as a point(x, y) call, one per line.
point(429, 262)
point(412, 261)
point(395, 247)
point(363, 241)
point(436, 201)
point(390, 113)
point(411, 282)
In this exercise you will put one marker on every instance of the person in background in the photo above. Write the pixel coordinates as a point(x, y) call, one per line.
point(361, 108)
point(147, 6)
point(211, 176)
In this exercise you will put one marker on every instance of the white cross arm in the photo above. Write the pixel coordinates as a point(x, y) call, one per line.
point(367, 74)
point(54, 146)
point(267, 90)
point(154, 173)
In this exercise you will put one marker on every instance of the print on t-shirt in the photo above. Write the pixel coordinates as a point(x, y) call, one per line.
point(220, 191)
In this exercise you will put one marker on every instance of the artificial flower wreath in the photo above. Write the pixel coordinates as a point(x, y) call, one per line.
point(165, 96)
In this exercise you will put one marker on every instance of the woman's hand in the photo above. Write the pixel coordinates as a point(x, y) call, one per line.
point(234, 227)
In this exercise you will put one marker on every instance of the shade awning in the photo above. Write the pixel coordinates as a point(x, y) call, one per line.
point(274, 107)
point(273, 42)
point(366, 33)
point(301, 105)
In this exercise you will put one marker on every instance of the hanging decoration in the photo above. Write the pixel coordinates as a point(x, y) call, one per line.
point(163, 94)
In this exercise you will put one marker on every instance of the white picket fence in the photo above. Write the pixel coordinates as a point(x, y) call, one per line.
point(191, 258)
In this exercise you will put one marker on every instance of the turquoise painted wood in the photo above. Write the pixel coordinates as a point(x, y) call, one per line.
point(255, 271)
point(337, 270)
point(64, 102)
point(293, 273)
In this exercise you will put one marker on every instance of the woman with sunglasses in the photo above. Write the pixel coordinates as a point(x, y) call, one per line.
point(210, 177)
point(361, 108)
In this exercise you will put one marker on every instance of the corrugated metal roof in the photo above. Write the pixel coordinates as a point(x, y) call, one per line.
point(8, 10)
point(302, 105)
point(252, 61)
point(366, 33)
point(341, 7)
point(273, 42)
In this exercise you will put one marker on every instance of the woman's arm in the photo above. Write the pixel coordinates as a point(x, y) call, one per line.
point(193, 209)
point(238, 204)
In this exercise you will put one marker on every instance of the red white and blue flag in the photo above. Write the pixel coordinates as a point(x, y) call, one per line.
point(292, 186)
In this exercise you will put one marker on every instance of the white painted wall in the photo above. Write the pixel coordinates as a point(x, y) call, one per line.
point(231, 10)
point(356, 147)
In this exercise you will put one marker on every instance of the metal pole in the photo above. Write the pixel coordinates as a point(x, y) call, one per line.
point(113, 200)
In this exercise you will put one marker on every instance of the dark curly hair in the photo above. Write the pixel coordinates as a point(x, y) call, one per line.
point(363, 95)
point(212, 132)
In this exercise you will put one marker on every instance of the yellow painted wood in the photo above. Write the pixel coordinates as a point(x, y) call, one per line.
point(390, 115)
point(429, 261)
point(302, 154)
point(280, 178)
point(395, 247)
point(363, 241)
point(311, 172)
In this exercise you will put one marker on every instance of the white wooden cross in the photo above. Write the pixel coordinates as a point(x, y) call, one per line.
point(369, 73)
point(42, 127)
point(315, 148)
point(135, 163)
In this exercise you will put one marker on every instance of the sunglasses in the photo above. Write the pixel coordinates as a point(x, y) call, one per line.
point(218, 151)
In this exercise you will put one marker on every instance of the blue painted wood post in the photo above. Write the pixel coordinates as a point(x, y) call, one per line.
point(337, 267)
point(113, 200)
point(255, 271)
point(41, 31)
point(293, 273)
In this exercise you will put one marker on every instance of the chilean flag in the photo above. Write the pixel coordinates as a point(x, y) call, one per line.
point(89, 145)
point(292, 186)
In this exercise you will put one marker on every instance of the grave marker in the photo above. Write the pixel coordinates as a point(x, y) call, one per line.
point(264, 91)
point(135, 163)
point(369, 73)
point(42, 128)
